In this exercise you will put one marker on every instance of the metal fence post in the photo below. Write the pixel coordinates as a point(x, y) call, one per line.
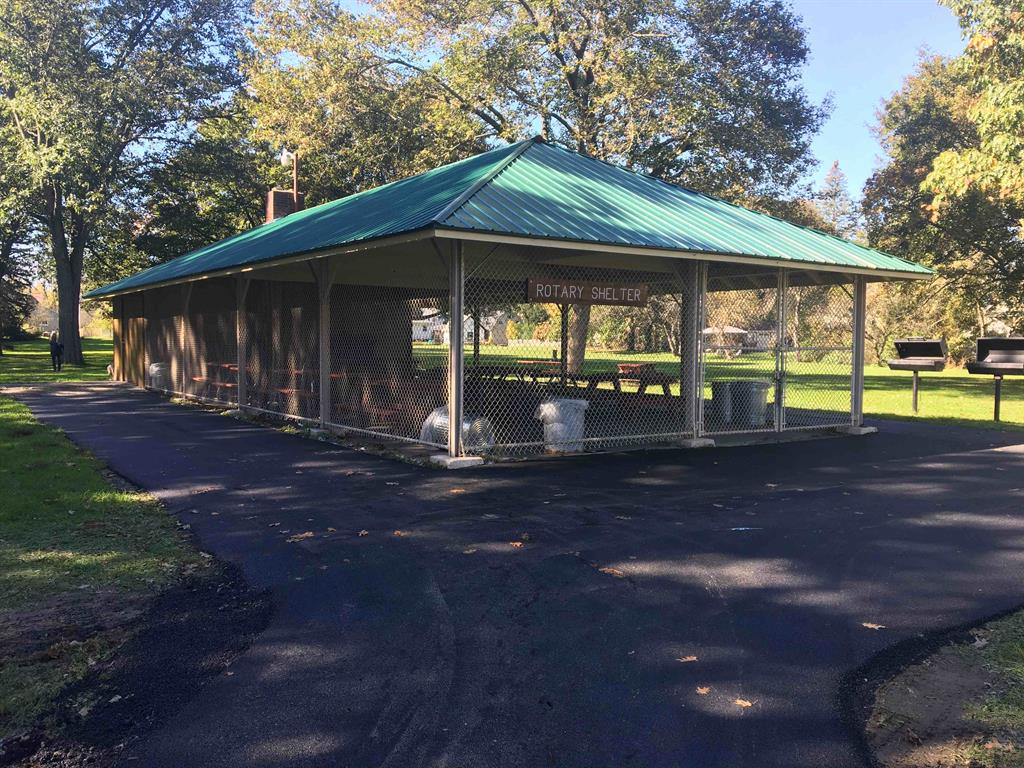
point(780, 351)
point(456, 353)
point(860, 292)
point(241, 291)
point(325, 277)
point(184, 365)
point(690, 323)
point(700, 319)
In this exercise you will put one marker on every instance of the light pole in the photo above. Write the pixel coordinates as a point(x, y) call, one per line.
point(292, 158)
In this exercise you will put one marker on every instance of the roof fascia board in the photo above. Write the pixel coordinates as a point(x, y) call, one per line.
point(365, 245)
point(582, 245)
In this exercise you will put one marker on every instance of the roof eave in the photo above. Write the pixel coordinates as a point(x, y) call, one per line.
point(672, 253)
point(320, 253)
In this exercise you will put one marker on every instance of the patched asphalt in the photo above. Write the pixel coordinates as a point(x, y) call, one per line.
point(445, 645)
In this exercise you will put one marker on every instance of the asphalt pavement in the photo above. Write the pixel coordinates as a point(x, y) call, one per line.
point(660, 608)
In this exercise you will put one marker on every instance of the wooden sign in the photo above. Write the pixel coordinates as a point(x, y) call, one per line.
point(555, 291)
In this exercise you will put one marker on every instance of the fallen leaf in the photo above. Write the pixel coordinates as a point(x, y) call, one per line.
point(457, 490)
point(744, 703)
point(703, 690)
point(399, 533)
point(273, 525)
point(390, 483)
point(468, 551)
point(869, 625)
point(300, 536)
point(516, 544)
point(525, 536)
point(686, 659)
point(364, 532)
point(332, 530)
point(613, 572)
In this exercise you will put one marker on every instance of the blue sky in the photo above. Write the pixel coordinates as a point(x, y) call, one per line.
point(861, 50)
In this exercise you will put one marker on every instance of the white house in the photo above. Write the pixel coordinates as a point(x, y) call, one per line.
point(432, 326)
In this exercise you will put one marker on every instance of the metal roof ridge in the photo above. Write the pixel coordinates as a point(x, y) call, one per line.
point(450, 209)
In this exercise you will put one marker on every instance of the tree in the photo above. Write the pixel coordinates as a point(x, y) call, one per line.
point(702, 92)
point(971, 239)
point(16, 233)
point(993, 70)
point(211, 187)
point(321, 85)
point(95, 93)
point(838, 213)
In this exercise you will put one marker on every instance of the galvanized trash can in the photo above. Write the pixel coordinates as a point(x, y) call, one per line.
point(563, 420)
point(159, 376)
point(721, 401)
point(750, 402)
point(477, 432)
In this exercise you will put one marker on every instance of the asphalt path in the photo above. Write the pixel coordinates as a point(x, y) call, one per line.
point(543, 613)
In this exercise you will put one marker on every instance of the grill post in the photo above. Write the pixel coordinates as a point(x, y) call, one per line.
point(860, 292)
point(241, 333)
point(913, 390)
point(999, 396)
point(456, 353)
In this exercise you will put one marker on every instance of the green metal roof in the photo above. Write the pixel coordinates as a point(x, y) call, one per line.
point(537, 190)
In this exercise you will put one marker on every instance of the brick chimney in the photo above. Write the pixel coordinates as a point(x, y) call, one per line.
point(281, 202)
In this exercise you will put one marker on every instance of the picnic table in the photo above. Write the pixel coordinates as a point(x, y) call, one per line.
point(642, 374)
point(218, 378)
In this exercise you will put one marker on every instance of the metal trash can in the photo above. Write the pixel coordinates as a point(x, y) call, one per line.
point(159, 376)
point(750, 402)
point(477, 432)
point(721, 401)
point(563, 420)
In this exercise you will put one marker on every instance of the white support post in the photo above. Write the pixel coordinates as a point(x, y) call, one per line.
point(456, 353)
point(692, 275)
point(325, 277)
point(241, 291)
point(780, 351)
point(860, 292)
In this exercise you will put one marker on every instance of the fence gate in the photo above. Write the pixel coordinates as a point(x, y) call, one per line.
point(816, 354)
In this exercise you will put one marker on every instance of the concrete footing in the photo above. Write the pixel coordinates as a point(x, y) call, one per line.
point(455, 462)
point(697, 442)
point(861, 430)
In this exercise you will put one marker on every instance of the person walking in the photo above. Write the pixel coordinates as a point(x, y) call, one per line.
point(56, 352)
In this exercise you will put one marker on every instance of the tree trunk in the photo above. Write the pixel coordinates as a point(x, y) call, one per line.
point(579, 324)
point(67, 259)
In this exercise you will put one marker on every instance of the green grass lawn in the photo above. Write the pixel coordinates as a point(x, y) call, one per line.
point(26, 362)
point(74, 552)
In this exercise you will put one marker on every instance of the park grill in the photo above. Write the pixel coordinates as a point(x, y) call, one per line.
point(999, 356)
point(916, 355)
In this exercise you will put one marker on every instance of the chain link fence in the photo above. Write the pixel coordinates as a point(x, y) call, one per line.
point(669, 349)
point(550, 374)
point(281, 339)
point(817, 356)
point(164, 311)
point(209, 351)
